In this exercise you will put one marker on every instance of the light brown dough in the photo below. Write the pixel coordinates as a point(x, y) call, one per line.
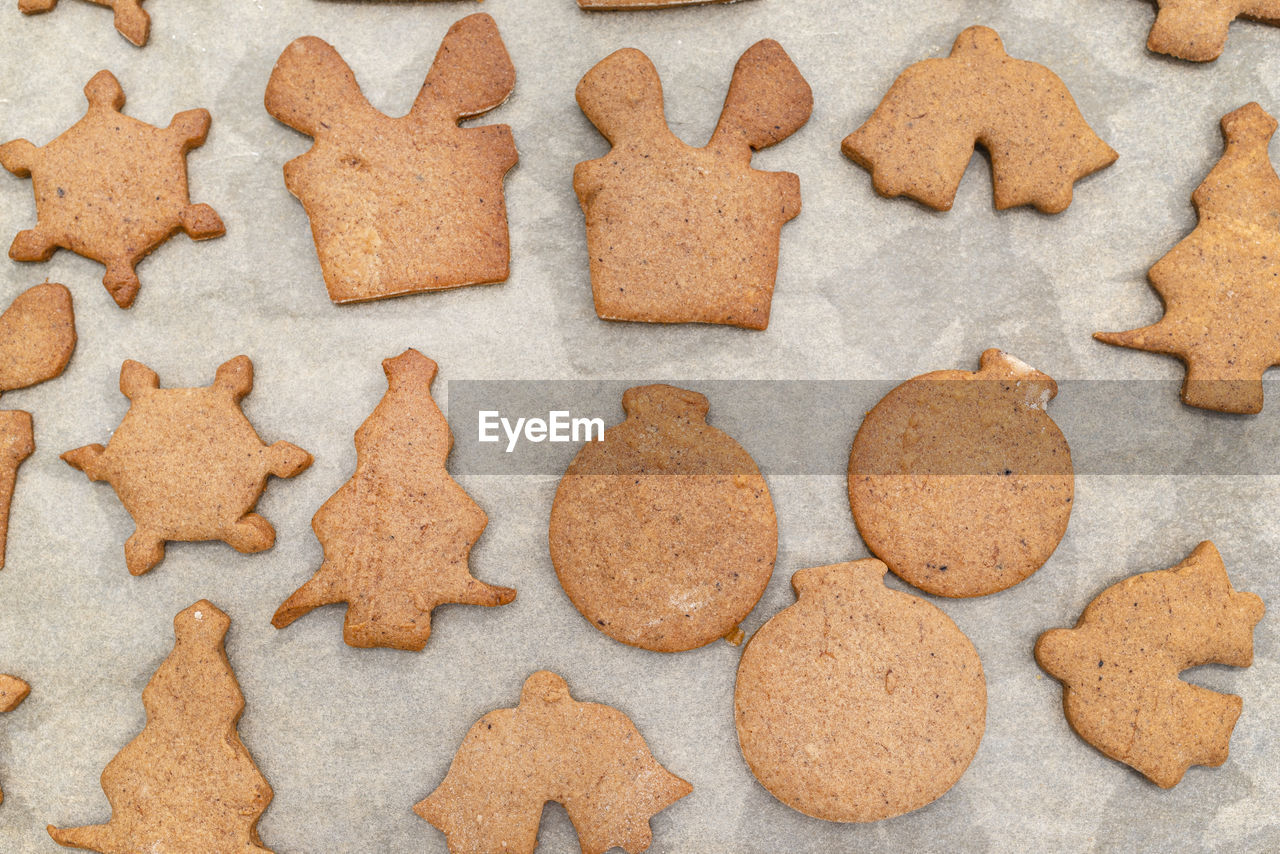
point(1197, 29)
point(131, 20)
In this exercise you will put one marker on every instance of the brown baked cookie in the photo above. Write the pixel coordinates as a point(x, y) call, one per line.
point(858, 702)
point(397, 536)
point(960, 481)
point(187, 464)
point(678, 234)
point(664, 534)
point(37, 335)
point(1119, 666)
point(111, 188)
point(1221, 285)
point(131, 20)
point(186, 783)
point(12, 692)
point(588, 757)
point(1197, 29)
point(409, 204)
point(920, 139)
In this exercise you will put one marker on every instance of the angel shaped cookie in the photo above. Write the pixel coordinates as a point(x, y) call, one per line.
point(678, 234)
point(409, 204)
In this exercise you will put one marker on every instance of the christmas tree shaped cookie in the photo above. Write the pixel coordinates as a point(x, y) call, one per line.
point(188, 465)
point(678, 234)
point(186, 783)
point(12, 692)
point(920, 139)
point(398, 534)
point(111, 188)
point(1119, 666)
point(1197, 29)
point(401, 205)
point(588, 757)
point(37, 335)
point(1221, 284)
point(130, 18)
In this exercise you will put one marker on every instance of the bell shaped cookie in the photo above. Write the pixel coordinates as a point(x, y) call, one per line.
point(1221, 284)
point(858, 702)
point(409, 204)
point(920, 139)
point(1196, 30)
point(960, 481)
point(188, 465)
point(1119, 666)
point(111, 188)
point(678, 234)
point(588, 757)
point(397, 536)
point(663, 534)
point(131, 20)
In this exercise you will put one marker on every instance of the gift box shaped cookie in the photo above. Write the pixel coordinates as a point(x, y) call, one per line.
point(409, 204)
point(679, 234)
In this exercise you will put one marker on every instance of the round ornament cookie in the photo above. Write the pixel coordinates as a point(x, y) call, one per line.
point(858, 702)
point(664, 534)
point(960, 481)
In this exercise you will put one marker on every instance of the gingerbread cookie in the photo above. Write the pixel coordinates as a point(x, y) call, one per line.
point(37, 335)
point(664, 534)
point(187, 464)
point(403, 205)
point(397, 536)
point(1119, 666)
point(920, 139)
point(131, 20)
point(111, 188)
point(858, 703)
point(1197, 29)
point(1221, 284)
point(588, 757)
point(960, 481)
point(678, 234)
point(186, 782)
point(12, 692)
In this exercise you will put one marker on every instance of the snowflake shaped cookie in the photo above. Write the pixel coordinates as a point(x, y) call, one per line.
point(188, 465)
point(111, 188)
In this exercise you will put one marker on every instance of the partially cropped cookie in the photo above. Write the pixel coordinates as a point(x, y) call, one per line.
point(678, 234)
point(188, 465)
point(397, 536)
point(12, 692)
point(111, 188)
point(663, 534)
point(130, 19)
point(1221, 285)
point(1119, 666)
point(588, 757)
point(858, 702)
point(920, 139)
point(960, 481)
point(186, 783)
point(408, 204)
point(1197, 29)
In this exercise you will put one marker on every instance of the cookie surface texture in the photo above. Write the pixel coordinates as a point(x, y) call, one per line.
point(1119, 666)
point(664, 535)
point(960, 481)
point(12, 692)
point(1197, 29)
point(858, 703)
point(37, 336)
point(130, 19)
point(920, 139)
point(678, 234)
point(111, 188)
point(187, 464)
point(1221, 285)
point(409, 204)
point(588, 757)
point(397, 536)
point(186, 782)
